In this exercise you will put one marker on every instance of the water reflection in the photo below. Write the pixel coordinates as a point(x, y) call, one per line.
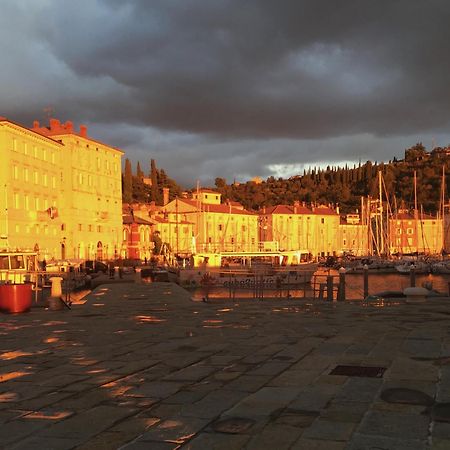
point(354, 287)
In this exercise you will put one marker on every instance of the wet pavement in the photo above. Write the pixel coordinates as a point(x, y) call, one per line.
point(141, 366)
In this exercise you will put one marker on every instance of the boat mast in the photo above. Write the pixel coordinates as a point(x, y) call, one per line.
point(416, 212)
point(443, 208)
point(380, 194)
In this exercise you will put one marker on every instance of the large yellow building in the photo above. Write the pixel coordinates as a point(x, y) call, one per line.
point(299, 227)
point(62, 192)
point(217, 227)
point(353, 236)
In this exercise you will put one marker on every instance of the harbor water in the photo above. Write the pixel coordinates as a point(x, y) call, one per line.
point(354, 287)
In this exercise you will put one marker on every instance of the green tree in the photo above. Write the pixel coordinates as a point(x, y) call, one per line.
point(127, 189)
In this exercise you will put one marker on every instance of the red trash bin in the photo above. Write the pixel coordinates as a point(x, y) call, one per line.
point(15, 298)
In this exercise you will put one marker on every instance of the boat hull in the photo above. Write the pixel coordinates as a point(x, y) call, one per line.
point(247, 279)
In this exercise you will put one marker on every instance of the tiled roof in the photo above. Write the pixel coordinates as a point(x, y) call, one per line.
point(223, 208)
point(300, 209)
point(128, 219)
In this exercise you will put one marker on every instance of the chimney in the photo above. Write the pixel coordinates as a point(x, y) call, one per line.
point(35, 124)
point(184, 194)
point(165, 196)
point(69, 126)
point(54, 124)
point(296, 205)
point(83, 131)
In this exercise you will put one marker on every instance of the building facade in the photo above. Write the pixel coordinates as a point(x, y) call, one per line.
point(298, 227)
point(353, 236)
point(62, 193)
point(415, 233)
point(217, 227)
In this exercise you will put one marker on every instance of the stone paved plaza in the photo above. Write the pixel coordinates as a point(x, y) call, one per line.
point(143, 367)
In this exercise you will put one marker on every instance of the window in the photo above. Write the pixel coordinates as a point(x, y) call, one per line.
point(16, 200)
point(220, 227)
point(15, 172)
point(35, 177)
point(322, 220)
point(409, 231)
point(344, 242)
point(26, 174)
point(27, 203)
point(399, 231)
point(80, 227)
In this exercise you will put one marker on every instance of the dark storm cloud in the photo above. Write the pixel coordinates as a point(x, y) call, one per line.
point(276, 80)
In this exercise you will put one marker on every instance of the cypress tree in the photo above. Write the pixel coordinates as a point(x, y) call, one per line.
point(154, 178)
point(127, 183)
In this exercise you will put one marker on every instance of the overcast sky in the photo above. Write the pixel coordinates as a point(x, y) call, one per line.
point(234, 89)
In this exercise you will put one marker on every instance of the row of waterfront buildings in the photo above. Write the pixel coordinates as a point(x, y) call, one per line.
point(62, 197)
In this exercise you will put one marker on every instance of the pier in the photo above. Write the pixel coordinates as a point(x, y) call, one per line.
point(142, 366)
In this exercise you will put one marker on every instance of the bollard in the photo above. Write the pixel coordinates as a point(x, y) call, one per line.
point(341, 290)
point(366, 280)
point(330, 288)
point(116, 272)
point(138, 277)
point(55, 300)
point(412, 276)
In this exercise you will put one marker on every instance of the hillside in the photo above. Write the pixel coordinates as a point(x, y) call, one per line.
point(345, 186)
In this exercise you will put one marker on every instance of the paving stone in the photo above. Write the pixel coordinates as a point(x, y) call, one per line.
point(16, 430)
point(175, 429)
point(264, 402)
point(217, 441)
point(368, 442)
point(395, 425)
point(160, 389)
point(34, 443)
point(329, 430)
point(247, 383)
point(88, 424)
point(212, 405)
point(282, 436)
point(314, 398)
point(313, 444)
point(192, 373)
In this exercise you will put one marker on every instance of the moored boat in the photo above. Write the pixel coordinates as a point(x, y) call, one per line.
point(248, 269)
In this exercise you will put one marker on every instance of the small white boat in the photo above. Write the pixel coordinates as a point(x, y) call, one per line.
point(16, 266)
point(441, 267)
point(418, 266)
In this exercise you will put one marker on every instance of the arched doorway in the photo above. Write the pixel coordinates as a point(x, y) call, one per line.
point(99, 251)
